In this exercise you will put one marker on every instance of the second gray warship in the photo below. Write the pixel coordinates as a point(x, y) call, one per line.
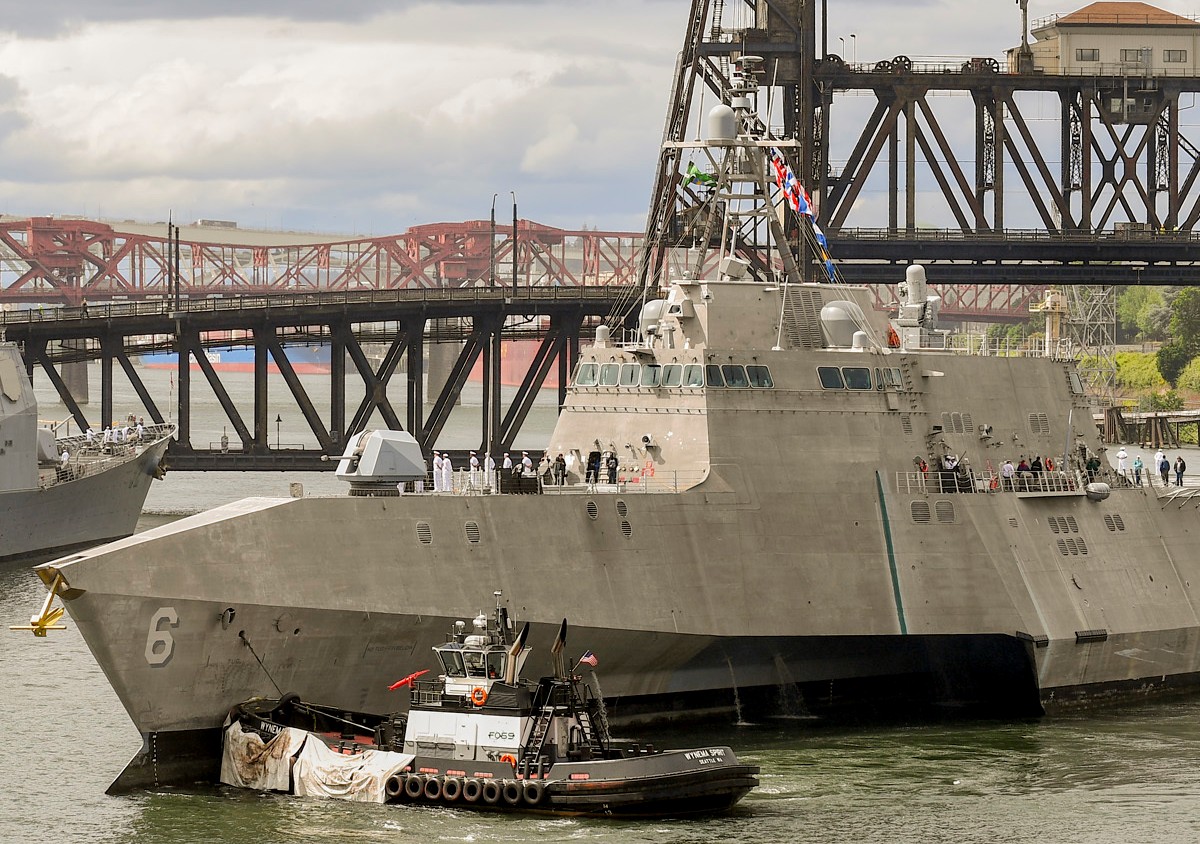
point(62, 493)
point(772, 490)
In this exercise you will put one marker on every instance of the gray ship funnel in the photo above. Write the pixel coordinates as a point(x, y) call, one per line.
point(376, 461)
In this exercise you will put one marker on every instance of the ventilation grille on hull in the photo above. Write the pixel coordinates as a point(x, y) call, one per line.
point(1114, 522)
point(802, 318)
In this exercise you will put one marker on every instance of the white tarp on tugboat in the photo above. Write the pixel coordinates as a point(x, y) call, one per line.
point(321, 772)
point(249, 762)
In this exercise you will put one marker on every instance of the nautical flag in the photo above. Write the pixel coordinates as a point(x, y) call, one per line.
point(589, 658)
point(797, 197)
point(697, 176)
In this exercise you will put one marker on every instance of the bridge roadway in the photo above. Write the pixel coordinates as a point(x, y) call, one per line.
point(403, 319)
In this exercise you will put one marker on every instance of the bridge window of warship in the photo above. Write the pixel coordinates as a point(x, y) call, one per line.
point(629, 375)
point(586, 376)
point(759, 376)
point(831, 378)
point(857, 377)
point(672, 375)
point(712, 375)
point(609, 373)
point(651, 375)
point(735, 376)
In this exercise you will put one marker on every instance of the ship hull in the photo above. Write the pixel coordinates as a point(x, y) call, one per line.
point(40, 524)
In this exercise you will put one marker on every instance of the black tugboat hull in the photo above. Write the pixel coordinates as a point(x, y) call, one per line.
point(657, 785)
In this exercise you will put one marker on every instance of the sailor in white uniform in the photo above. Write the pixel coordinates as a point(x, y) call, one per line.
point(476, 480)
point(437, 472)
point(527, 463)
point(447, 473)
point(489, 470)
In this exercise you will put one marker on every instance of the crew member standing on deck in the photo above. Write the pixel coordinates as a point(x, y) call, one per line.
point(489, 469)
point(474, 462)
point(1180, 468)
point(1138, 465)
point(526, 463)
point(447, 473)
point(507, 464)
point(1123, 464)
point(1164, 470)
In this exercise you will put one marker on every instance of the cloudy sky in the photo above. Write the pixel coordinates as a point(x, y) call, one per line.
point(372, 116)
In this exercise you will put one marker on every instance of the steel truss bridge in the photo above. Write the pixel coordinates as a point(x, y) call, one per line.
point(1104, 167)
point(402, 320)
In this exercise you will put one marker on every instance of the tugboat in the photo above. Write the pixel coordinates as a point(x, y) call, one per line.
point(481, 737)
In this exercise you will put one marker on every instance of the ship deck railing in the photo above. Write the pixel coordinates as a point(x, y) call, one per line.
point(626, 482)
point(96, 456)
point(981, 345)
point(949, 481)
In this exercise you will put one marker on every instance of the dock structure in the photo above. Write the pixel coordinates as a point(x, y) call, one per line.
point(1152, 429)
point(476, 320)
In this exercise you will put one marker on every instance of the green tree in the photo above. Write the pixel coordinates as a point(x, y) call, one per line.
point(1135, 307)
point(1185, 319)
point(1172, 358)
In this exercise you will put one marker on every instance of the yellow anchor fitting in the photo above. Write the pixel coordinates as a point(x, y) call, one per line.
point(48, 618)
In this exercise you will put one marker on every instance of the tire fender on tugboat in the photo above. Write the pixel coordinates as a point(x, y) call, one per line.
point(394, 787)
point(433, 788)
point(452, 789)
point(414, 785)
point(511, 790)
point(533, 792)
point(472, 790)
point(491, 791)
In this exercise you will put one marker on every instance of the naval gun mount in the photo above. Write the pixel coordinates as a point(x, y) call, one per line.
point(376, 462)
point(916, 322)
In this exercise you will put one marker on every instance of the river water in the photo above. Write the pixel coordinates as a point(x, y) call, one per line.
point(1120, 776)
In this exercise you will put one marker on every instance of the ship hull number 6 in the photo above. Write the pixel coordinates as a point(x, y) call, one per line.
point(160, 645)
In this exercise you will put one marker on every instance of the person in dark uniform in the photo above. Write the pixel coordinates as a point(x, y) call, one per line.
point(611, 465)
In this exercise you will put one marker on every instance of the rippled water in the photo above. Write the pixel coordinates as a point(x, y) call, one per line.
point(1127, 776)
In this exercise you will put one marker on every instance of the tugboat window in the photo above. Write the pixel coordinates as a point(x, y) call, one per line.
point(475, 664)
point(452, 663)
point(629, 375)
point(651, 375)
point(495, 664)
point(712, 375)
point(608, 374)
point(759, 376)
point(693, 375)
point(672, 375)
point(857, 377)
point(831, 378)
point(586, 376)
point(735, 375)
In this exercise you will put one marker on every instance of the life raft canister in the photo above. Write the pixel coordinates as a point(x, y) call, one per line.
point(479, 695)
point(893, 339)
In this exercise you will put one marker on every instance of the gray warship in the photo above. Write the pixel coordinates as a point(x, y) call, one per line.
point(50, 505)
point(774, 492)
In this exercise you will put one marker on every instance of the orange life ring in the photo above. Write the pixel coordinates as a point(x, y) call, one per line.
point(893, 339)
point(649, 470)
point(510, 759)
point(479, 695)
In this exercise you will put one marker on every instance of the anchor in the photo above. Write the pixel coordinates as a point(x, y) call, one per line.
point(48, 618)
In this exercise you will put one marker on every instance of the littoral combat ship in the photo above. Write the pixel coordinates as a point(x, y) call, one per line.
point(808, 506)
point(61, 493)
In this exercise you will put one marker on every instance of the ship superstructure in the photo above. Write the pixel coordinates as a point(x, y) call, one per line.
point(771, 489)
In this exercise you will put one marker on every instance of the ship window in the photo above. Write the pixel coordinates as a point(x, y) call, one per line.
point(586, 376)
point(1076, 384)
point(735, 375)
point(474, 661)
point(759, 376)
point(608, 375)
point(857, 377)
point(1087, 54)
point(831, 377)
point(672, 375)
point(629, 375)
point(693, 375)
point(452, 663)
point(1174, 55)
point(712, 375)
point(651, 375)
point(495, 664)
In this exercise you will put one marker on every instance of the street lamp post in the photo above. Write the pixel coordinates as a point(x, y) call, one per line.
point(853, 48)
point(514, 197)
point(843, 41)
point(278, 422)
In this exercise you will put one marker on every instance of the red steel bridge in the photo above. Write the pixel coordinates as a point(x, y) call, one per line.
point(70, 261)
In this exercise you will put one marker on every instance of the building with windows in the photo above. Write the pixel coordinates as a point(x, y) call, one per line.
point(1115, 39)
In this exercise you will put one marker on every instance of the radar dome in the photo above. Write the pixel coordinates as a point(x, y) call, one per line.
point(840, 321)
point(722, 123)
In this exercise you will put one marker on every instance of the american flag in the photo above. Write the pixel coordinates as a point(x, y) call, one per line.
point(589, 658)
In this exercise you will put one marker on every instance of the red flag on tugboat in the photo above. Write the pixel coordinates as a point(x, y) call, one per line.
point(407, 680)
point(589, 658)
